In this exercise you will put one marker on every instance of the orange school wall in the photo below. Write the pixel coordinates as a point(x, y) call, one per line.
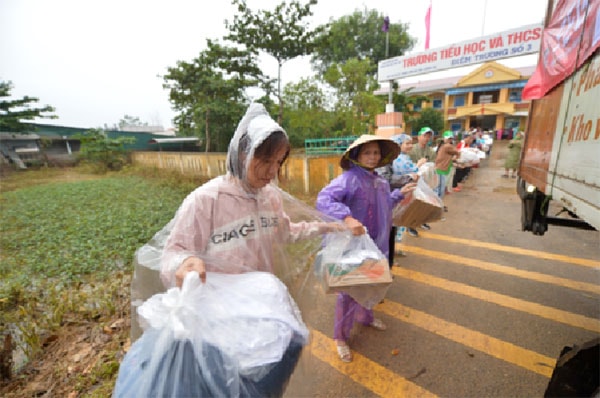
point(300, 173)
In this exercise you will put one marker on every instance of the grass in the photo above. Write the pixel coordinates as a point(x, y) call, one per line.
point(67, 241)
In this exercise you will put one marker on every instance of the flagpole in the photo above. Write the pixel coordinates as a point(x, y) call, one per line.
point(428, 26)
point(483, 22)
point(387, 54)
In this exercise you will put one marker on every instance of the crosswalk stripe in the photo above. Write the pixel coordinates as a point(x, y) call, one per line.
point(514, 250)
point(553, 314)
point(488, 266)
point(497, 348)
point(364, 371)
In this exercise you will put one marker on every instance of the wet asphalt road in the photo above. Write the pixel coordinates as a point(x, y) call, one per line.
point(477, 307)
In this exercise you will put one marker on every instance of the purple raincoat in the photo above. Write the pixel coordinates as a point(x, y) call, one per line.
point(365, 196)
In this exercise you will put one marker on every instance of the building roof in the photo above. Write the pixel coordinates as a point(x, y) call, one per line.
point(443, 84)
point(175, 140)
point(18, 136)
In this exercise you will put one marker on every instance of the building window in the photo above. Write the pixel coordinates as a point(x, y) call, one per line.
point(514, 96)
point(456, 126)
point(417, 107)
point(437, 104)
point(459, 100)
point(486, 97)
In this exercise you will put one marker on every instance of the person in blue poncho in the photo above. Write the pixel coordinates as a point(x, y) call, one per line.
point(362, 199)
point(404, 165)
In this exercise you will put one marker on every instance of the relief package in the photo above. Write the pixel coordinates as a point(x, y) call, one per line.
point(354, 265)
point(237, 335)
point(423, 206)
point(427, 173)
point(470, 156)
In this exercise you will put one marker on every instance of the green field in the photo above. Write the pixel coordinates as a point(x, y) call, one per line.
point(67, 242)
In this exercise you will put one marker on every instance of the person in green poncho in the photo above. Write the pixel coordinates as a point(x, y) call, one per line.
point(514, 155)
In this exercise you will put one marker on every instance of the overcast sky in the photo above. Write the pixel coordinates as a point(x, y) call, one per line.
point(96, 61)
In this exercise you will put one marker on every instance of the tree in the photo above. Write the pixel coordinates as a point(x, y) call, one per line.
point(360, 36)
point(306, 113)
point(354, 86)
point(13, 112)
point(209, 92)
point(280, 33)
point(130, 121)
point(429, 117)
point(102, 152)
point(403, 99)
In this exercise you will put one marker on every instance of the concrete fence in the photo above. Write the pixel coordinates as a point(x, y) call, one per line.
point(300, 173)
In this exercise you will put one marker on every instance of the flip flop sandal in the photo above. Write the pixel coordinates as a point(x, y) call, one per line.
point(344, 353)
point(378, 324)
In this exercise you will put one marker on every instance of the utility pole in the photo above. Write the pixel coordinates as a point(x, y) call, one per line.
point(386, 28)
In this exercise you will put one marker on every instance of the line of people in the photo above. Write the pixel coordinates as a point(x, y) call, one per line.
point(452, 166)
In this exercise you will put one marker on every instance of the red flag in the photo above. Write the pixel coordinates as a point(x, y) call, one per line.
point(427, 26)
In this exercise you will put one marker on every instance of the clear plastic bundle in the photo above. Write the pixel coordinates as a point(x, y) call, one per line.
point(422, 207)
point(427, 172)
point(354, 265)
point(470, 156)
point(237, 335)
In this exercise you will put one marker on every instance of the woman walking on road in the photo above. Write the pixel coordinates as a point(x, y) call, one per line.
point(514, 155)
point(363, 200)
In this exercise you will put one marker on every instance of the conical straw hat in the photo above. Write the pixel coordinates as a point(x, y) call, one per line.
point(389, 150)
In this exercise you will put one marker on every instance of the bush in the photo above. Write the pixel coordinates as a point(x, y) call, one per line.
point(103, 153)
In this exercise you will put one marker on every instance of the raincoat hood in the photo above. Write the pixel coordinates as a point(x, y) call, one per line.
point(252, 130)
point(401, 138)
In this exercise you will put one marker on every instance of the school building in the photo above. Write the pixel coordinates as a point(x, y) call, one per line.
point(489, 98)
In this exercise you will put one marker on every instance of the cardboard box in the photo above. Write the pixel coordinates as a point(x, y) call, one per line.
point(366, 282)
point(419, 211)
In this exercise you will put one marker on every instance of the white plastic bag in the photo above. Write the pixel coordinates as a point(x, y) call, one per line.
point(469, 156)
point(428, 174)
point(236, 335)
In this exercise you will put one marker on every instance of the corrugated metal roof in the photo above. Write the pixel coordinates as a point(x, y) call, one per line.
point(177, 140)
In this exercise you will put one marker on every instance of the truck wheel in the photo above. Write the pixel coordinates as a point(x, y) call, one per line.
point(576, 371)
point(521, 191)
point(538, 228)
point(526, 214)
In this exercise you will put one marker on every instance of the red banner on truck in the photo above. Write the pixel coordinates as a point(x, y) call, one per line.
point(571, 37)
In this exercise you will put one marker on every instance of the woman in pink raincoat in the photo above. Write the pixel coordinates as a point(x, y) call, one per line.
point(238, 218)
point(237, 224)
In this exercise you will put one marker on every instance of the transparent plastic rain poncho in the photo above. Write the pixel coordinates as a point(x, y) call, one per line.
point(240, 333)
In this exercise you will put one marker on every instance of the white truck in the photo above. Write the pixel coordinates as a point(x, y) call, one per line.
point(560, 160)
